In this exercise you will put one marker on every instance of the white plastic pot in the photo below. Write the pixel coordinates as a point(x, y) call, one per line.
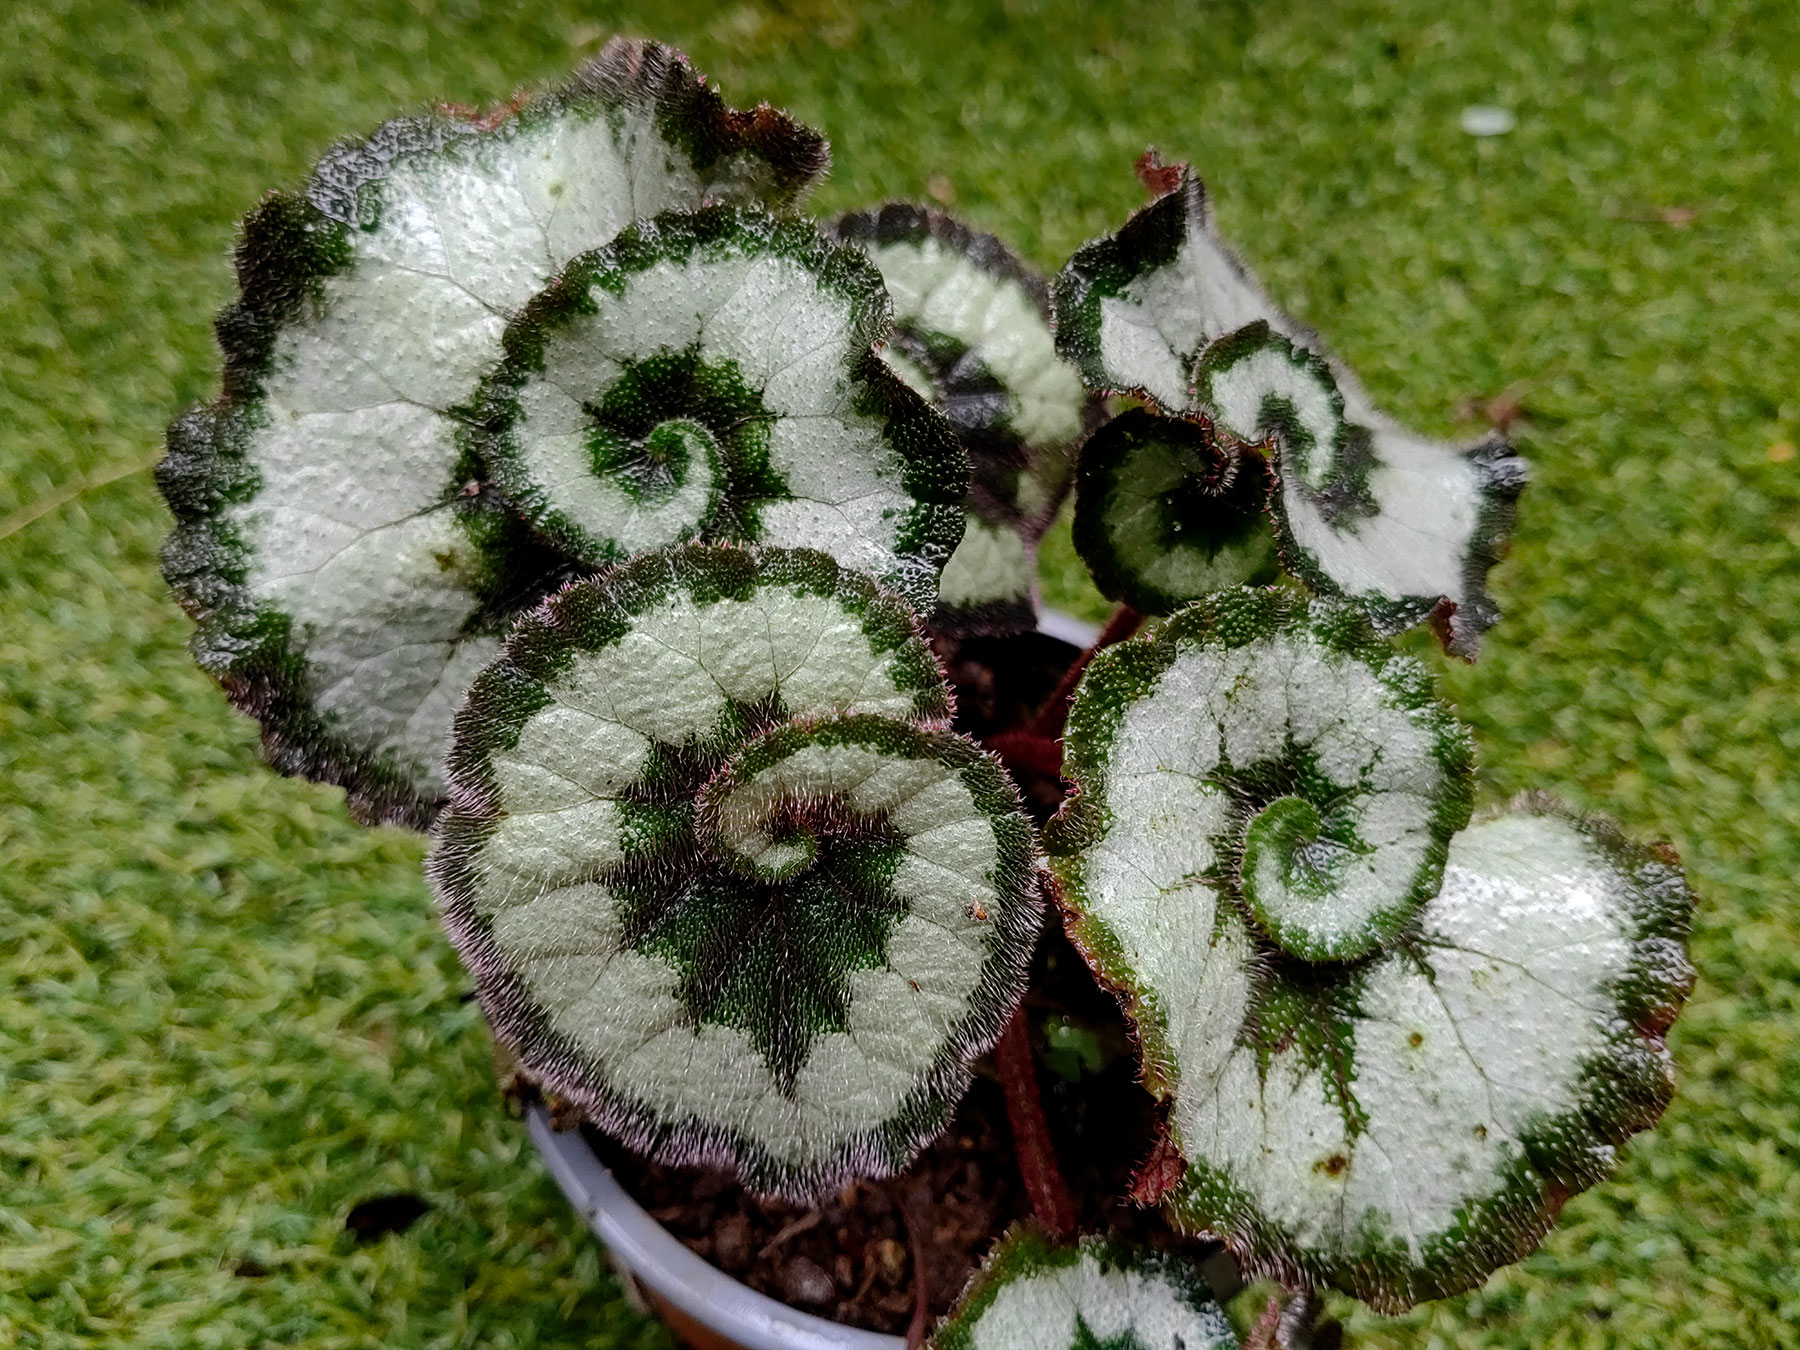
point(705, 1306)
point(1076, 632)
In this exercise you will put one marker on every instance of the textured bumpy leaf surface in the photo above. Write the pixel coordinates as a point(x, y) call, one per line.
point(1165, 514)
point(1094, 1295)
point(725, 879)
point(348, 573)
point(1405, 525)
point(972, 334)
point(1273, 749)
point(712, 375)
point(1400, 1122)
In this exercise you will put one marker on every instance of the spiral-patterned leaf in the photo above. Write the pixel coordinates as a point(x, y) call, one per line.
point(1165, 514)
point(712, 375)
point(1274, 749)
point(972, 334)
point(726, 881)
point(1405, 525)
point(347, 570)
point(1403, 1119)
point(1098, 1294)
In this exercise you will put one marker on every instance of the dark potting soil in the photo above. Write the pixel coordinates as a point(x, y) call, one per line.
point(852, 1257)
point(1000, 684)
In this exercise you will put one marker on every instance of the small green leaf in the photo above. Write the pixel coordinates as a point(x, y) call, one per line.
point(347, 574)
point(712, 375)
point(972, 334)
point(1405, 525)
point(1165, 514)
point(726, 880)
point(1262, 387)
point(1098, 1294)
point(1071, 1049)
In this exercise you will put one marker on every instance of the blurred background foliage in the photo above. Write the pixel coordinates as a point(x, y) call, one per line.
point(226, 1014)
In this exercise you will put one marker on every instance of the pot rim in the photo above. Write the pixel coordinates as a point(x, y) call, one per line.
point(672, 1272)
point(1067, 628)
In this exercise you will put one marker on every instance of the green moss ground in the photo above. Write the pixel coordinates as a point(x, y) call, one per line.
point(225, 1013)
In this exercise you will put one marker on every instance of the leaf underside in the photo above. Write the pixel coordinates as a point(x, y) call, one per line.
point(1401, 1119)
point(347, 570)
point(726, 880)
point(1405, 525)
point(972, 334)
point(1098, 1294)
point(712, 375)
point(1165, 514)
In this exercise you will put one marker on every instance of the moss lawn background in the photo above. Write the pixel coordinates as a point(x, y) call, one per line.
point(226, 1013)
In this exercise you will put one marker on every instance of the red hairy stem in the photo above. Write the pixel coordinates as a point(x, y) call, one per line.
point(1262, 1335)
point(1036, 1151)
point(1049, 723)
point(1027, 750)
point(921, 1313)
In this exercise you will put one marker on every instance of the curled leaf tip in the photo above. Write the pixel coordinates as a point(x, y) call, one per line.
point(1365, 508)
point(1166, 513)
point(1278, 751)
point(712, 375)
point(1158, 178)
point(761, 142)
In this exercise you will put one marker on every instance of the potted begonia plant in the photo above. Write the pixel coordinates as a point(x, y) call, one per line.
point(668, 555)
